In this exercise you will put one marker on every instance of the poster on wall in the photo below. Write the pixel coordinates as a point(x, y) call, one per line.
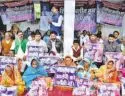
point(109, 16)
point(85, 19)
point(4, 60)
point(65, 76)
point(21, 13)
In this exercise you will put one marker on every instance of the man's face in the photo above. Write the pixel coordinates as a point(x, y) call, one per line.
point(93, 37)
point(111, 39)
point(20, 35)
point(68, 61)
point(54, 10)
point(37, 37)
point(52, 37)
point(116, 35)
point(76, 45)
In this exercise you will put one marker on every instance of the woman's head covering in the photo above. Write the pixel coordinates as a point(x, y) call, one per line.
point(35, 59)
point(87, 60)
point(11, 66)
point(111, 60)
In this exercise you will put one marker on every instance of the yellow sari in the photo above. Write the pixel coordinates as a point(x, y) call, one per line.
point(106, 75)
point(13, 80)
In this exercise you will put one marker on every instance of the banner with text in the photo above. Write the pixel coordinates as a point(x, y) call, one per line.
point(4, 60)
point(65, 76)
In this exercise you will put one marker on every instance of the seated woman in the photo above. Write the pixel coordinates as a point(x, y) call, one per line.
point(11, 77)
point(6, 44)
point(85, 70)
point(107, 73)
point(33, 72)
point(68, 61)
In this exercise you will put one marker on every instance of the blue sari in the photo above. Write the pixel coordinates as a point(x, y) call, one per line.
point(32, 73)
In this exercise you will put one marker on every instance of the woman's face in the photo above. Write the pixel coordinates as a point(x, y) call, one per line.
point(93, 38)
point(34, 64)
point(20, 61)
point(110, 65)
point(9, 70)
point(7, 36)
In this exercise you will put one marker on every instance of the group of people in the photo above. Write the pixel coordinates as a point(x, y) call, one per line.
point(15, 43)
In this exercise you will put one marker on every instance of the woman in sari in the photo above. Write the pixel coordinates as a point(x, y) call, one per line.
point(33, 72)
point(14, 30)
point(6, 44)
point(85, 70)
point(11, 77)
point(107, 73)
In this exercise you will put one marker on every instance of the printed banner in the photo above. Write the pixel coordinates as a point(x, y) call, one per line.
point(85, 19)
point(116, 57)
point(39, 87)
point(94, 52)
point(84, 87)
point(65, 76)
point(109, 16)
point(108, 89)
point(17, 14)
point(8, 91)
point(4, 60)
point(49, 62)
point(35, 51)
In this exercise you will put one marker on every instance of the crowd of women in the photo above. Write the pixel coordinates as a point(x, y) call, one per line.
point(15, 43)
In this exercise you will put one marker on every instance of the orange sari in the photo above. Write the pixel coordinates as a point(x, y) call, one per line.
point(13, 80)
point(107, 75)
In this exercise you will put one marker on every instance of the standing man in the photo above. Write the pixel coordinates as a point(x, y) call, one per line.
point(56, 22)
